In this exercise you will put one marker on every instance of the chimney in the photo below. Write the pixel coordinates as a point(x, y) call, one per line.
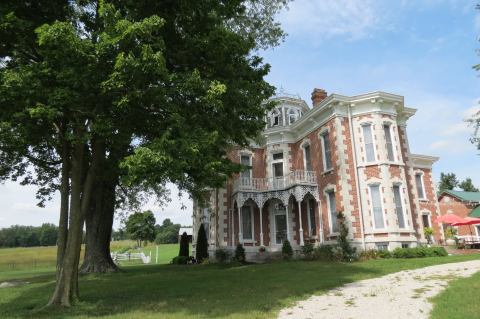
point(318, 95)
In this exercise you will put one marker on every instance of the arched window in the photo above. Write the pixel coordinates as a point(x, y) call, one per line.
point(292, 116)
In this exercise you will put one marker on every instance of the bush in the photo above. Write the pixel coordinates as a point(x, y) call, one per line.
point(222, 255)
point(368, 254)
point(240, 253)
point(384, 254)
point(323, 252)
point(184, 245)
point(287, 251)
point(180, 260)
point(348, 252)
point(201, 251)
point(307, 251)
point(419, 252)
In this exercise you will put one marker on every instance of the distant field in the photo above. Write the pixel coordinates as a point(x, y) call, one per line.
point(44, 258)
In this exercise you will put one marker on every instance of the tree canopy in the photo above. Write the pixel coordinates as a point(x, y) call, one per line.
point(448, 181)
point(141, 227)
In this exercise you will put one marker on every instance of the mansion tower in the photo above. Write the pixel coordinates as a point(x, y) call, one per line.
point(346, 154)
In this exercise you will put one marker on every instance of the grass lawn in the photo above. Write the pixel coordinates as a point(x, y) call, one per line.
point(459, 300)
point(201, 291)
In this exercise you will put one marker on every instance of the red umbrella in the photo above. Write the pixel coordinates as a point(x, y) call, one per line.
point(450, 219)
point(468, 221)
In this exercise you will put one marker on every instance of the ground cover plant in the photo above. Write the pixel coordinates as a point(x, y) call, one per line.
point(459, 300)
point(201, 291)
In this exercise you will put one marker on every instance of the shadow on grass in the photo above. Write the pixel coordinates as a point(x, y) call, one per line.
point(198, 291)
point(210, 291)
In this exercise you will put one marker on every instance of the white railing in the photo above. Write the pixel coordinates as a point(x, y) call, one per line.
point(131, 256)
point(470, 239)
point(298, 177)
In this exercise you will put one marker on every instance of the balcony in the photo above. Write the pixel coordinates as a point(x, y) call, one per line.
point(299, 177)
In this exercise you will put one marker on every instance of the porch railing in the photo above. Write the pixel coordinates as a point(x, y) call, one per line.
point(298, 177)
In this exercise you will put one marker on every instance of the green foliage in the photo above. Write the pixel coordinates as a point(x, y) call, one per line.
point(467, 185)
point(184, 245)
point(428, 232)
point(180, 260)
point(307, 251)
point(119, 234)
point(141, 227)
point(287, 251)
point(368, 254)
point(384, 254)
point(418, 252)
point(447, 181)
point(29, 236)
point(201, 248)
point(222, 255)
point(450, 232)
point(240, 253)
point(323, 252)
point(167, 233)
point(348, 252)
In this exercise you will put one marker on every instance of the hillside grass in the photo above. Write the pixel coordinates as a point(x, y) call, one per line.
point(32, 259)
point(200, 291)
point(459, 300)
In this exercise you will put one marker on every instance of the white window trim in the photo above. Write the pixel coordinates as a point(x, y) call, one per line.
point(250, 161)
point(305, 144)
point(427, 213)
point(423, 185)
point(324, 157)
point(275, 113)
point(400, 191)
point(330, 222)
point(372, 131)
point(381, 205)
point(292, 112)
point(309, 216)
point(245, 240)
point(476, 230)
point(392, 140)
point(278, 161)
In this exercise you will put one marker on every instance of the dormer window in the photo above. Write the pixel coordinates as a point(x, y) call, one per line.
point(292, 116)
point(275, 118)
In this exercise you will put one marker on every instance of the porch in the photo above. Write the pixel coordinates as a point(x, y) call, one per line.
point(268, 211)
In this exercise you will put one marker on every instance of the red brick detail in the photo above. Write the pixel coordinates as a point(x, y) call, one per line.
point(372, 172)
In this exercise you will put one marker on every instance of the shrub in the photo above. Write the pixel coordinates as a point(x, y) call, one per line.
point(428, 232)
point(222, 255)
point(323, 252)
point(348, 252)
point(307, 251)
point(180, 260)
point(368, 254)
point(262, 249)
point(184, 245)
point(287, 251)
point(240, 253)
point(419, 252)
point(202, 245)
point(384, 254)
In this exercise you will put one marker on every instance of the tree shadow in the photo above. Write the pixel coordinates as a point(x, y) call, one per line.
point(210, 291)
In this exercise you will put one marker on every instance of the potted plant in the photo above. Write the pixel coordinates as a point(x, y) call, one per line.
point(450, 234)
point(428, 232)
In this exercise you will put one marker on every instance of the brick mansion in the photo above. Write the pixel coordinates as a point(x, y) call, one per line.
point(345, 154)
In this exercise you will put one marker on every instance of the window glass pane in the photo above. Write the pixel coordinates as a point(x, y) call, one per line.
point(306, 153)
point(388, 138)
point(327, 151)
point(377, 206)
point(277, 156)
point(311, 215)
point(245, 160)
point(278, 169)
point(369, 147)
point(425, 220)
point(333, 211)
point(246, 222)
point(398, 206)
point(418, 181)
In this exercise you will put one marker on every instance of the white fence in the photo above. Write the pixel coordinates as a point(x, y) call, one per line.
point(131, 256)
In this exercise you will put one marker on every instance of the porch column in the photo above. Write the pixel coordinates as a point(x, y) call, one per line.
point(261, 226)
point(300, 221)
point(240, 234)
point(288, 224)
point(321, 221)
point(232, 224)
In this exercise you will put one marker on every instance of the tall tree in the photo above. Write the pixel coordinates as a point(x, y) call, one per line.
point(467, 185)
point(448, 181)
point(141, 227)
point(83, 84)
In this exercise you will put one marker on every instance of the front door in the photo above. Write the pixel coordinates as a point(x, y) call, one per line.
point(280, 229)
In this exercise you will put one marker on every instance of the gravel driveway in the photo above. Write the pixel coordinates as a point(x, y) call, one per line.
point(399, 295)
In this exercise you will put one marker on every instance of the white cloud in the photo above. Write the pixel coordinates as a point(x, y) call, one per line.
point(324, 19)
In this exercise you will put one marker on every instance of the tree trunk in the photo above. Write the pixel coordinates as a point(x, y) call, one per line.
point(66, 289)
point(99, 222)
point(64, 202)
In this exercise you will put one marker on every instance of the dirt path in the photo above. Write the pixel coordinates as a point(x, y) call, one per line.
point(399, 295)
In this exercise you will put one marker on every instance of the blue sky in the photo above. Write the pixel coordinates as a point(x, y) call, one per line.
point(421, 49)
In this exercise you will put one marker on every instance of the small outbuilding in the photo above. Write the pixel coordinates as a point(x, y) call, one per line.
point(461, 204)
point(188, 230)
